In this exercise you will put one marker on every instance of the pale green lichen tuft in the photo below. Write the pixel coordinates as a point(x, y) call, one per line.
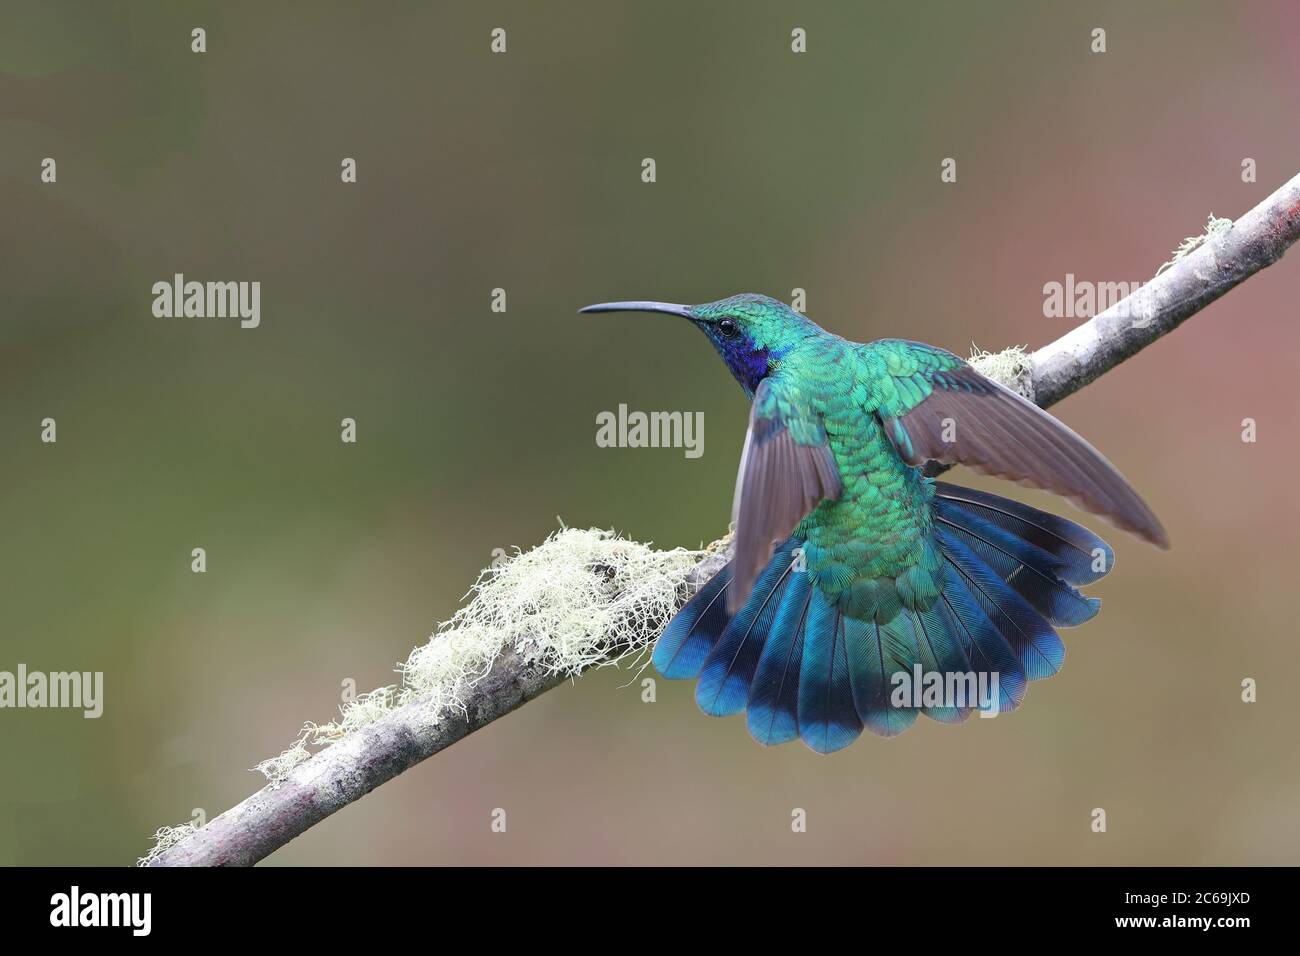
point(1215, 228)
point(165, 839)
point(277, 768)
point(1011, 367)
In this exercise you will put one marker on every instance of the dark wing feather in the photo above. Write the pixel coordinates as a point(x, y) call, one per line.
point(785, 470)
point(968, 419)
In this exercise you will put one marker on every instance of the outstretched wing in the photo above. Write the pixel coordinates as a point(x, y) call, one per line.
point(786, 468)
point(935, 407)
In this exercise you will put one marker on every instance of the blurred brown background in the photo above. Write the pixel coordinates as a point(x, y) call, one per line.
point(821, 171)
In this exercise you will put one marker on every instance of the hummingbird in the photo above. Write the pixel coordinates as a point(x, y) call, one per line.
point(854, 572)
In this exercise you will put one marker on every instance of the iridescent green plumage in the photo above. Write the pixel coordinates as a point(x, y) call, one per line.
point(880, 569)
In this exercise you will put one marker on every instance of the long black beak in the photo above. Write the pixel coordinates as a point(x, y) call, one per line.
point(639, 306)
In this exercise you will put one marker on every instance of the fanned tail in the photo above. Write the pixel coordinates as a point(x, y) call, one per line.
point(800, 668)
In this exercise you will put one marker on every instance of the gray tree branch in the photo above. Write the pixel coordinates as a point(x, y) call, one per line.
point(351, 768)
point(1254, 241)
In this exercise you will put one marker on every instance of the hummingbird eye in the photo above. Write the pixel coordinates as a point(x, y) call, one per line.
point(728, 328)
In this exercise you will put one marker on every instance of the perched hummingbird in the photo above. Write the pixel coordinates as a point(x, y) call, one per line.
point(852, 566)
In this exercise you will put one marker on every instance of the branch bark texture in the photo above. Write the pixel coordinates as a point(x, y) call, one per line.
point(351, 768)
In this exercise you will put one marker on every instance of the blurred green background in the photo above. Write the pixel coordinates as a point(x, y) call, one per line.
point(820, 171)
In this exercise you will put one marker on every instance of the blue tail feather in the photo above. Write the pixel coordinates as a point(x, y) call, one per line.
point(940, 652)
point(989, 653)
point(728, 670)
point(876, 653)
point(1031, 571)
point(1038, 648)
point(828, 717)
point(682, 648)
point(1081, 556)
point(772, 715)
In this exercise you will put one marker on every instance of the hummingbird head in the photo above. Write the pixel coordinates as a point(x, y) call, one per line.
point(751, 332)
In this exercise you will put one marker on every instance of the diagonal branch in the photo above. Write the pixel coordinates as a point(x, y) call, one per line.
point(1194, 280)
point(375, 753)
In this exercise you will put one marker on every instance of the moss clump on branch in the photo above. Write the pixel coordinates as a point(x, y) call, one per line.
point(582, 598)
point(1010, 367)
